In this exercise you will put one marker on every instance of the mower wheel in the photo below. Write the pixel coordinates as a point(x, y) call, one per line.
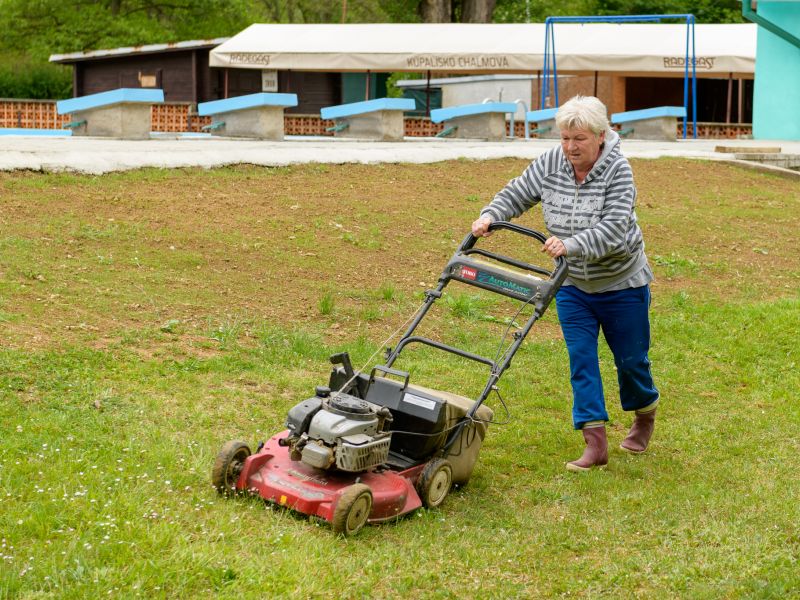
point(228, 466)
point(434, 482)
point(352, 510)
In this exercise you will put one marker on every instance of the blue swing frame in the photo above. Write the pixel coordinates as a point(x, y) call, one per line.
point(550, 51)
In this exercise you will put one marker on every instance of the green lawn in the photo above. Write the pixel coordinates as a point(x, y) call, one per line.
point(151, 316)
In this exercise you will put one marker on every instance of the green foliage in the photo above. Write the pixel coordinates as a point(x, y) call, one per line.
point(467, 306)
point(706, 11)
point(38, 81)
point(388, 291)
point(326, 303)
point(49, 26)
point(675, 264)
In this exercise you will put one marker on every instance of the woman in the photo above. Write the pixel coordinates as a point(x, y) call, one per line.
point(587, 193)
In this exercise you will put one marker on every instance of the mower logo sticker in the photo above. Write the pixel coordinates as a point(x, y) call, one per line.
point(301, 491)
point(309, 478)
point(419, 401)
point(468, 273)
point(489, 279)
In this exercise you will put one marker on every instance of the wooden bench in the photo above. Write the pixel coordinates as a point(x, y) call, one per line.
point(257, 116)
point(123, 113)
point(379, 119)
point(650, 123)
point(482, 121)
point(545, 120)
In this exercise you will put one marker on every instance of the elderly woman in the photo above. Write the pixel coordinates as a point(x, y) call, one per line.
point(587, 193)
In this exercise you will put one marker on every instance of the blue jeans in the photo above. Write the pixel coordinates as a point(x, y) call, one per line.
point(622, 315)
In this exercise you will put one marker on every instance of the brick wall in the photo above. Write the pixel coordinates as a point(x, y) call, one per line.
point(41, 114)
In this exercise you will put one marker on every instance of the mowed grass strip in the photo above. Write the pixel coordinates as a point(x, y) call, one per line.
point(149, 317)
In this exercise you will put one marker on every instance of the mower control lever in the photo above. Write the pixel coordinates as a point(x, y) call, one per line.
point(389, 371)
point(470, 240)
point(343, 358)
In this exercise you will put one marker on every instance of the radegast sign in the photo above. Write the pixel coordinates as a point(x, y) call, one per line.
point(433, 61)
point(249, 58)
point(679, 62)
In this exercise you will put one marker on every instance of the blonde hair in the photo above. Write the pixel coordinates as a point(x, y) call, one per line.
point(583, 112)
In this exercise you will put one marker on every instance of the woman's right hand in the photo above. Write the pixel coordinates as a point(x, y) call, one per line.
point(480, 228)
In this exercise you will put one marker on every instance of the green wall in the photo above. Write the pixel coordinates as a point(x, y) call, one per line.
point(776, 101)
point(354, 86)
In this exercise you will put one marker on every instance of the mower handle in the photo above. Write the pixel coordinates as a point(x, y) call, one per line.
point(470, 240)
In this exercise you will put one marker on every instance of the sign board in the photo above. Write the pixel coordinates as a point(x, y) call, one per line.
point(269, 81)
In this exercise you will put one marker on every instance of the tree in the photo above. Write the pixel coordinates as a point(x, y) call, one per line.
point(706, 11)
point(435, 11)
point(464, 11)
point(477, 11)
point(38, 29)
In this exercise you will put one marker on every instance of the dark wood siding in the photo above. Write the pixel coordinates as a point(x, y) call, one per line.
point(314, 90)
point(712, 95)
point(172, 72)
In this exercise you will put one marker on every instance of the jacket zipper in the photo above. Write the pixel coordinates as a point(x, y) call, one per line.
point(572, 226)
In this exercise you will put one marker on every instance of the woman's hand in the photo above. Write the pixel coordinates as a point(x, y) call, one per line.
point(480, 228)
point(553, 246)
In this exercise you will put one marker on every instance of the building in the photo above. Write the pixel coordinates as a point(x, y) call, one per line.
point(629, 66)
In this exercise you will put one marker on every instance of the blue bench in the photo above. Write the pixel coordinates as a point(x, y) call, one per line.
point(379, 119)
point(545, 120)
point(122, 113)
point(36, 132)
point(484, 121)
point(254, 115)
point(650, 123)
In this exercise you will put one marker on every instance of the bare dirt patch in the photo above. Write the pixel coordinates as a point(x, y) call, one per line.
point(136, 257)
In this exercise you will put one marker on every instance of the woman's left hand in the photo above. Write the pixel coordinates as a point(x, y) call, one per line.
point(554, 247)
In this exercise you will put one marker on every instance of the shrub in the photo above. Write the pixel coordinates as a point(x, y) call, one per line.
point(35, 82)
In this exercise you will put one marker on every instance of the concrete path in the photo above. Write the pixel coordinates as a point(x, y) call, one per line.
point(96, 155)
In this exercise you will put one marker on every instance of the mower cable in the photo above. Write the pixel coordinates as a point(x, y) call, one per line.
point(505, 407)
point(380, 348)
point(417, 433)
point(494, 388)
point(505, 333)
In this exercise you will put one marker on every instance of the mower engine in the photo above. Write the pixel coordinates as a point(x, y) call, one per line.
point(338, 431)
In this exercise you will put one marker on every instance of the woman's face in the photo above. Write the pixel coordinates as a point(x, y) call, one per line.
point(581, 147)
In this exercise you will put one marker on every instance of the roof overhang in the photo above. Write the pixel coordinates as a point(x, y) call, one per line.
point(632, 48)
point(74, 57)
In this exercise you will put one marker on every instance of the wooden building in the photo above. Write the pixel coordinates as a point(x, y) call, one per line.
point(182, 71)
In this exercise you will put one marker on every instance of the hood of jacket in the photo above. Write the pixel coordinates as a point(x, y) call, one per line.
point(608, 152)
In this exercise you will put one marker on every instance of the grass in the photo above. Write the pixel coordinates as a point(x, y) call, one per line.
point(120, 379)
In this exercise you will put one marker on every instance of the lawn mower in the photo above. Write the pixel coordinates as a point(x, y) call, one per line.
point(368, 448)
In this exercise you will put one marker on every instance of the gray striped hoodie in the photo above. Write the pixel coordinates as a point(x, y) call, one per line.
point(595, 219)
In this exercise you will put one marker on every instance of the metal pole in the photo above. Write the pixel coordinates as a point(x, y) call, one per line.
point(428, 96)
point(694, 80)
point(555, 69)
point(546, 65)
point(740, 103)
point(686, 80)
point(730, 98)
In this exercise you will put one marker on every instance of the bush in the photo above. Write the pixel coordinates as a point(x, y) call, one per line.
point(35, 82)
